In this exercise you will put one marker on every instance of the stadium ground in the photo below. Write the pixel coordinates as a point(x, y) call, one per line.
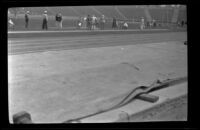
point(37, 41)
point(58, 78)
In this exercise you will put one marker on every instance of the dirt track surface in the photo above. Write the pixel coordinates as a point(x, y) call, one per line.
point(32, 45)
point(58, 85)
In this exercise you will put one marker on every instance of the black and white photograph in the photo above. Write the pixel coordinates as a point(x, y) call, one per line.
point(97, 64)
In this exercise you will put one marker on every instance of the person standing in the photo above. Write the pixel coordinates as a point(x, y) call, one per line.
point(60, 19)
point(114, 23)
point(57, 22)
point(142, 23)
point(27, 19)
point(45, 21)
point(154, 23)
point(125, 25)
point(84, 22)
point(182, 23)
point(79, 23)
point(11, 24)
point(88, 20)
point(94, 19)
point(102, 22)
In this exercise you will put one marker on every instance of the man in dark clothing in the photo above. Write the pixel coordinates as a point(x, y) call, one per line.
point(26, 19)
point(56, 18)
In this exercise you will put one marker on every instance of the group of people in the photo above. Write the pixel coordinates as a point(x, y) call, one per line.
point(119, 24)
point(92, 22)
point(58, 19)
point(152, 23)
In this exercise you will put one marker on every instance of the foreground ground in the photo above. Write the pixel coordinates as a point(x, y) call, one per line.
point(58, 85)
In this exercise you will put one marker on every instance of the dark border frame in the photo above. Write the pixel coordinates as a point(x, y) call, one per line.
point(5, 4)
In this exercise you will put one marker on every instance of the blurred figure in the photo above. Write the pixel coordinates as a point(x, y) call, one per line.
point(59, 20)
point(125, 25)
point(45, 21)
point(27, 19)
point(9, 13)
point(148, 24)
point(56, 18)
point(88, 20)
point(94, 21)
point(185, 43)
point(182, 23)
point(151, 24)
point(178, 23)
point(79, 23)
point(114, 23)
point(120, 24)
point(142, 23)
point(102, 22)
point(154, 22)
point(84, 19)
point(11, 23)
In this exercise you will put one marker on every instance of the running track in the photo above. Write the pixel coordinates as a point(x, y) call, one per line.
point(55, 43)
